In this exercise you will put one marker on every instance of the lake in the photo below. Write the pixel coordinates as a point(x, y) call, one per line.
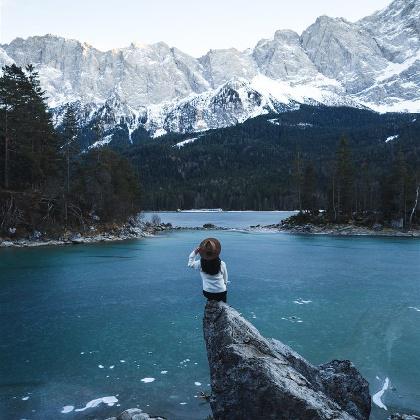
point(225, 219)
point(124, 319)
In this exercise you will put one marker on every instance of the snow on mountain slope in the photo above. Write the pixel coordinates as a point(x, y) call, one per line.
point(374, 62)
point(396, 29)
point(343, 51)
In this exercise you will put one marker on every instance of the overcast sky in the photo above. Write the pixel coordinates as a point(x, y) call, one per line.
point(194, 26)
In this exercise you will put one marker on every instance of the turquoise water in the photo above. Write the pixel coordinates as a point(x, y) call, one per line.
point(133, 305)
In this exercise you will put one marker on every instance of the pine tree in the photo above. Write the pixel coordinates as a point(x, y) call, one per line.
point(13, 97)
point(344, 181)
point(298, 177)
point(70, 149)
point(309, 196)
point(43, 139)
point(28, 137)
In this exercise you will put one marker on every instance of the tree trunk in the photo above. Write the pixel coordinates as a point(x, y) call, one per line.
point(415, 205)
point(6, 158)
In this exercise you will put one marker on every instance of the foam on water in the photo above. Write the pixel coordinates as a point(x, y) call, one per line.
point(377, 398)
point(413, 307)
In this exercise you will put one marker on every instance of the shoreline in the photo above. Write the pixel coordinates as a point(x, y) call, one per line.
point(121, 233)
point(344, 230)
point(127, 232)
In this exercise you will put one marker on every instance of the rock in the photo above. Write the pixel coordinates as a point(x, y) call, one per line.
point(377, 227)
point(209, 226)
point(76, 238)
point(397, 223)
point(135, 414)
point(35, 236)
point(257, 378)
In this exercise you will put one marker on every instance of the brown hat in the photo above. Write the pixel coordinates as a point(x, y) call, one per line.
point(210, 249)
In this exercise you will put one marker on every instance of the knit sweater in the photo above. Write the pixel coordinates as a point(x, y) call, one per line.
point(211, 283)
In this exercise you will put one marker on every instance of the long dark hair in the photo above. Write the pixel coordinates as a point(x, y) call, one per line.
point(211, 267)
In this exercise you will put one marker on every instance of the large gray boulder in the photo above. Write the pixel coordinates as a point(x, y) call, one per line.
point(257, 378)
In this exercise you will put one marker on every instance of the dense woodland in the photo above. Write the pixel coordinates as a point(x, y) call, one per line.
point(47, 182)
point(313, 158)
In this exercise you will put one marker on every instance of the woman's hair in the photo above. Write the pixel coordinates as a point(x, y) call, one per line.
point(211, 267)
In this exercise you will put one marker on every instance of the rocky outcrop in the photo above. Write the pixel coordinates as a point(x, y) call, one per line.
point(135, 414)
point(257, 378)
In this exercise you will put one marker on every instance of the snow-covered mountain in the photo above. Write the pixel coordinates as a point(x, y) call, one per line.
point(372, 63)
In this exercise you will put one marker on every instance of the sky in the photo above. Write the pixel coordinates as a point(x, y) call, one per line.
point(194, 26)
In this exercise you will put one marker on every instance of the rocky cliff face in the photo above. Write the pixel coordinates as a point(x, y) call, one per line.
point(374, 62)
point(257, 378)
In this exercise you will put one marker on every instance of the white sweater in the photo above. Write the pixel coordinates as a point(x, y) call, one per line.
point(211, 283)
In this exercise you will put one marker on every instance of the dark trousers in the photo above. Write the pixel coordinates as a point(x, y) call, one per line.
point(215, 296)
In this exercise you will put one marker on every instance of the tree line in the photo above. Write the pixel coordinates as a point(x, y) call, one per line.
point(339, 162)
point(47, 182)
point(352, 192)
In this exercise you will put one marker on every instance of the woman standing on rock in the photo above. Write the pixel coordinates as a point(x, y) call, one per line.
point(212, 270)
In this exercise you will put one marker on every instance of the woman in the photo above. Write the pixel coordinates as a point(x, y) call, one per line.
point(212, 270)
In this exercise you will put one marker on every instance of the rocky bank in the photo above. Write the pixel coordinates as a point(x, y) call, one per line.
point(109, 233)
point(257, 378)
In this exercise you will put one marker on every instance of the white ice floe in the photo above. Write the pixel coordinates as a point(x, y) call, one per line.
point(112, 367)
point(413, 307)
point(122, 361)
point(101, 366)
point(182, 403)
point(302, 302)
point(197, 383)
point(67, 409)
point(148, 380)
point(110, 401)
point(163, 372)
point(25, 398)
point(377, 398)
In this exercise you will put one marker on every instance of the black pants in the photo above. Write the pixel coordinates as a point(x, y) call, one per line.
point(215, 296)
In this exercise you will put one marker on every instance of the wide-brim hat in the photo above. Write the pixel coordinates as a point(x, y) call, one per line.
point(210, 249)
